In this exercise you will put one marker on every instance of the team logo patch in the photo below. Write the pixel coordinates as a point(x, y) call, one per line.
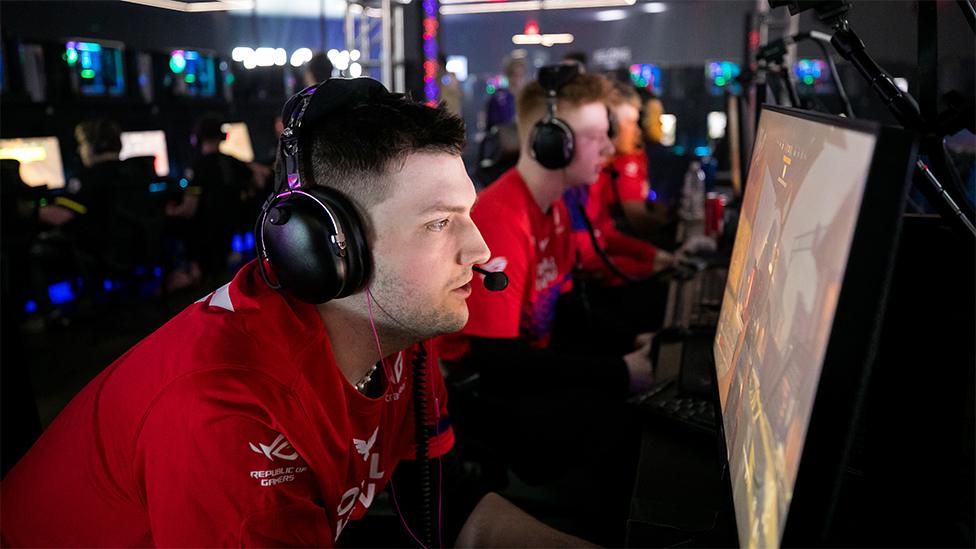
point(364, 446)
point(496, 264)
point(276, 449)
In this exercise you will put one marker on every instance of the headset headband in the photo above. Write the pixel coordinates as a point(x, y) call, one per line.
point(307, 107)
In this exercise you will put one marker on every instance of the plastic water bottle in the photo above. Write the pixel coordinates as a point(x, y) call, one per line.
point(693, 193)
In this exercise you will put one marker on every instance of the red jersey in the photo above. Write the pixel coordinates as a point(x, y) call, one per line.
point(536, 251)
point(230, 425)
point(631, 255)
point(631, 185)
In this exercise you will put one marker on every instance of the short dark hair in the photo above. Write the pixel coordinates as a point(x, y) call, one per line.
point(354, 149)
point(320, 67)
point(103, 135)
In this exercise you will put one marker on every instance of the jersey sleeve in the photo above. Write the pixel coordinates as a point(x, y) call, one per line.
point(632, 180)
point(213, 471)
point(497, 314)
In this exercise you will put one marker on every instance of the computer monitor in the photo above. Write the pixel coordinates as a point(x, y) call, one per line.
point(720, 76)
point(39, 157)
point(813, 76)
point(31, 60)
point(669, 128)
point(803, 299)
point(96, 68)
point(647, 76)
point(238, 142)
point(192, 73)
point(147, 143)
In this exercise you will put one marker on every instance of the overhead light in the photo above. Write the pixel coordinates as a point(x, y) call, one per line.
point(354, 55)
point(611, 15)
point(280, 57)
point(529, 5)
point(355, 70)
point(340, 59)
point(654, 7)
point(300, 57)
point(241, 53)
point(546, 40)
point(457, 64)
point(264, 57)
point(196, 7)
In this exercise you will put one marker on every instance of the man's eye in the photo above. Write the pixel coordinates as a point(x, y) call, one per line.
point(438, 226)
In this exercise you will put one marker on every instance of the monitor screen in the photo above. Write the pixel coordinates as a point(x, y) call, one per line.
point(813, 75)
point(647, 76)
point(191, 73)
point(238, 142)
point(720, 76)
point(669, 129)
point(39, 157)
point(96, 68)
point(802, 202)
point(148, 143)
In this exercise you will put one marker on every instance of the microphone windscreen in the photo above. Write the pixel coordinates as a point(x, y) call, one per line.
point(496, 282)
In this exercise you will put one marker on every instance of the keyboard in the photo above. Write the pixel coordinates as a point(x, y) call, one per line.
point(689, 412)
point(702, 297)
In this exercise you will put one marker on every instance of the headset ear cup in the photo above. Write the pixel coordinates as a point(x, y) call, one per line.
point(358, 259)
point(552, 143)
point(297, 233)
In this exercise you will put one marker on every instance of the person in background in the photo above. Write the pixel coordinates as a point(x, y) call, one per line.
point(509, 338)
point(613, 285)
point(450, 88)
point(501, 104)
point(618, 200)
point(318, 69)
point(577, 57)
point(83, 210)
point(664, 170)
point(219, 186)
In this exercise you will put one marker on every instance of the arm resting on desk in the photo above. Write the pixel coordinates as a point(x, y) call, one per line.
point(495, 522)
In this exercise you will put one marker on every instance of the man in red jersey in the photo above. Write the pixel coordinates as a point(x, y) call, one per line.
point(618, 199)
point(256, 418)
point(614, 273)
point(557, 399)
point(527, 227)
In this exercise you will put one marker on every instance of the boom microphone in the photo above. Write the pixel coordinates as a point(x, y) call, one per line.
point(494, 282)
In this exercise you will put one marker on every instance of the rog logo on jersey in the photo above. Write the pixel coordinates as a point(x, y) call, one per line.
point(276, 449)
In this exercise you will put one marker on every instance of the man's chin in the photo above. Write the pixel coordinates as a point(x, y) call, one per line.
point(456, 323)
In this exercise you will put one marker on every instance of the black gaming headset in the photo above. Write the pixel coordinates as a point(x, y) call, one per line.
point(312, 235)
point(552, 141)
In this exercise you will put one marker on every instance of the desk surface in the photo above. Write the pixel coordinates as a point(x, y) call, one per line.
point(680, 497)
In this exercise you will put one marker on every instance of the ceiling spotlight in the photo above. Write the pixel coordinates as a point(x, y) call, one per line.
point(654, 7)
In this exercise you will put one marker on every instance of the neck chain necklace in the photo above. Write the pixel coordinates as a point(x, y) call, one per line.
point(363, 383)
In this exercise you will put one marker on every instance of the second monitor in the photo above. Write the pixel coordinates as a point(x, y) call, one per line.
point(147, 143)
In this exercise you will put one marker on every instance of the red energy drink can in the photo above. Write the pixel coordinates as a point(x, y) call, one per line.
point(714, 212)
